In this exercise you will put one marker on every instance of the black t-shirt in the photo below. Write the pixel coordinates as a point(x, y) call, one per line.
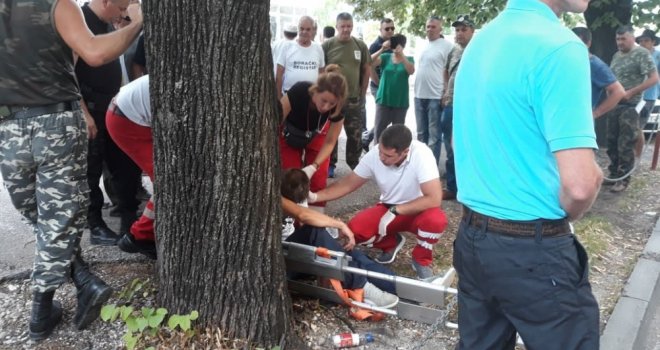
point(98, 84)
point(140, 57)
point(304, 114)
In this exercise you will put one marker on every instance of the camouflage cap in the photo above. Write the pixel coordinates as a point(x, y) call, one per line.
point(463, 20)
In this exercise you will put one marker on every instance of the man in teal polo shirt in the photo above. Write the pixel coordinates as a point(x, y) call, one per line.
point(523, 143)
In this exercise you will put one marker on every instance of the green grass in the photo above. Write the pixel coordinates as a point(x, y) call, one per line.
point(594, 232)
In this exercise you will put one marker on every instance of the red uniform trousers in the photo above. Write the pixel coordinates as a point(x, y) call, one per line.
point(136, 141)
point(298, 158)
point(427, 226)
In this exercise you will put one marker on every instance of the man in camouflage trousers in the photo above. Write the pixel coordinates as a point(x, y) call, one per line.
point(353, 57)
point(634, 69)
point(43, 143)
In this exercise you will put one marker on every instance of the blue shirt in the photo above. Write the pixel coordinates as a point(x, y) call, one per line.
point(601, 77)
point(652, 93)
point(532, 99)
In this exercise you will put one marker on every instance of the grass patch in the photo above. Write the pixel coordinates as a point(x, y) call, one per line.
point(594, 233)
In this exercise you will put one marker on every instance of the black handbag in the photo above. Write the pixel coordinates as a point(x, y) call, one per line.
point(295, 137)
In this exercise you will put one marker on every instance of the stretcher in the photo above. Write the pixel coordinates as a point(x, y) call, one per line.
point(420, 301)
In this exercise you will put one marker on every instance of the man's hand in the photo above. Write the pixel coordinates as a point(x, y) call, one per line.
point(346, 232)
point(384, 221)
point(386, 45)
point(135, 12)
point(311, 197)
point(310, 170)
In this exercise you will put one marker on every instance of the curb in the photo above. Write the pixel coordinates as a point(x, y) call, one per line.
point(625, 325)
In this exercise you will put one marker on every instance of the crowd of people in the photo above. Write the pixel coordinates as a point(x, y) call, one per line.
point(517, 122)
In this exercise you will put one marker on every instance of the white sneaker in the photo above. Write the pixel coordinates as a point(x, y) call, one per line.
point(374, 296)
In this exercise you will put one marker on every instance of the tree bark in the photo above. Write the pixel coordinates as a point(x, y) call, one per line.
point(603, 17)
point(217, 166)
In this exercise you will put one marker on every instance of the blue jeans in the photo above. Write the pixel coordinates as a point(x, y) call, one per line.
point(319, 237)
point(446, 126)
point(537, 286)
point(428, 113)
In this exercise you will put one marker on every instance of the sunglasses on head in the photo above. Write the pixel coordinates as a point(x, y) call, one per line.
point(389, 29)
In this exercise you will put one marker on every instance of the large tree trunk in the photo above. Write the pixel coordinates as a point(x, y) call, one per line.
point(217, 166)
point(602, 17)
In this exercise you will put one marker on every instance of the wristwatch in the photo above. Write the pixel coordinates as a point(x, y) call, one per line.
point(393, 210)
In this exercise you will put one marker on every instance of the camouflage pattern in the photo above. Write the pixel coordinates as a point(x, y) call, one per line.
point(353, 127)
point(453, 60)
point(622, 129)
point(36, 65)
point(43, 161)
point(632, 68)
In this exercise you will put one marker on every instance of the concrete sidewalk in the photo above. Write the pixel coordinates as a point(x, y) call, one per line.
point(635, 321)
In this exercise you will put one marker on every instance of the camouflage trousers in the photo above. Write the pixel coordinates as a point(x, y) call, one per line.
point(622, 129)
point(353, 113)
point(43, 161)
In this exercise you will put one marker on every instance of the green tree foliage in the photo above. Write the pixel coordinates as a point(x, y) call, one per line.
point(415, 12)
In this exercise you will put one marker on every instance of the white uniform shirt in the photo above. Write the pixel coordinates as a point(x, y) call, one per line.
point(429, 73)
point(300, 63)
point(133, 100)
point(400, 184)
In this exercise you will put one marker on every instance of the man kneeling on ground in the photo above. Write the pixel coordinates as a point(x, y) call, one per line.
point(312, 231)
point(407, 175)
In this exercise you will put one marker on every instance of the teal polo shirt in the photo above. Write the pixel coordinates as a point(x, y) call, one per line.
point(522, 92)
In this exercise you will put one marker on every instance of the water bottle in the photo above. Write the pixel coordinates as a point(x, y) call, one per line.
point(349, 340)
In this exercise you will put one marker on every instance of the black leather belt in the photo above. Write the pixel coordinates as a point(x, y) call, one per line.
point(549, 228)
point(16, 112)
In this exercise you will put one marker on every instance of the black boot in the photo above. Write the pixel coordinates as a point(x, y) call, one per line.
point(46, 314)
point(92, 293)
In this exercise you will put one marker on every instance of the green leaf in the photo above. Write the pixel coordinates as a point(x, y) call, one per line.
point(115, 315)
point(150, 348)
point(161, 311)
point(147, 311)
point(193, 315)
point(184, 323)
point(130, 340)
point(125, 311)
point(131, 324)
point(152, 332)
point(107, 311)
point(142, 323)
point(173, 321)
point(275, 348)
point(155, 320)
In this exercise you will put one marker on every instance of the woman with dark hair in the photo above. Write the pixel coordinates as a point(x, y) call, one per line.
point(312, 123)
point(392, 98)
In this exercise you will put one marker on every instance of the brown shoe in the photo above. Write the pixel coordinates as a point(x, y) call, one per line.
point(448, 195)
point(619, 186)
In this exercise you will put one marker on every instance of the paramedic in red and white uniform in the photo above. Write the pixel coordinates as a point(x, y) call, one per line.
point(129, 124)
point(407, 176)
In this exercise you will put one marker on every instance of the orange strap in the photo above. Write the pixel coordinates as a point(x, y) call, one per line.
point(347, 295)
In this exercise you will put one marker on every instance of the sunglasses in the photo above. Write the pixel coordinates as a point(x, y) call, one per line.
point(389, 29)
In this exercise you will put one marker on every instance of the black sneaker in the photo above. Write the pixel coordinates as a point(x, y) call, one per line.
point(388, 257)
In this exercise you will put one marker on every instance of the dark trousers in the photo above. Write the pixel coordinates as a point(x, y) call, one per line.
point(537, 286)
point(446, 126)
point(319, 237)
point(124, 174)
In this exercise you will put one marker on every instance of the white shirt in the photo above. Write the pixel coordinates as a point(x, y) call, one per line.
point(429, 73)
point(133, 100)
point(300, 63)
point(276, 50)
point(400, 184)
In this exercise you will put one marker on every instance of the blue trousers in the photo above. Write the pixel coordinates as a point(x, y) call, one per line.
point(428, 113)
point(319, 237)
point(537, 286)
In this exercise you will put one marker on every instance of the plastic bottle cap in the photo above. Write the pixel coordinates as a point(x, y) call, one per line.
point(368, 338)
